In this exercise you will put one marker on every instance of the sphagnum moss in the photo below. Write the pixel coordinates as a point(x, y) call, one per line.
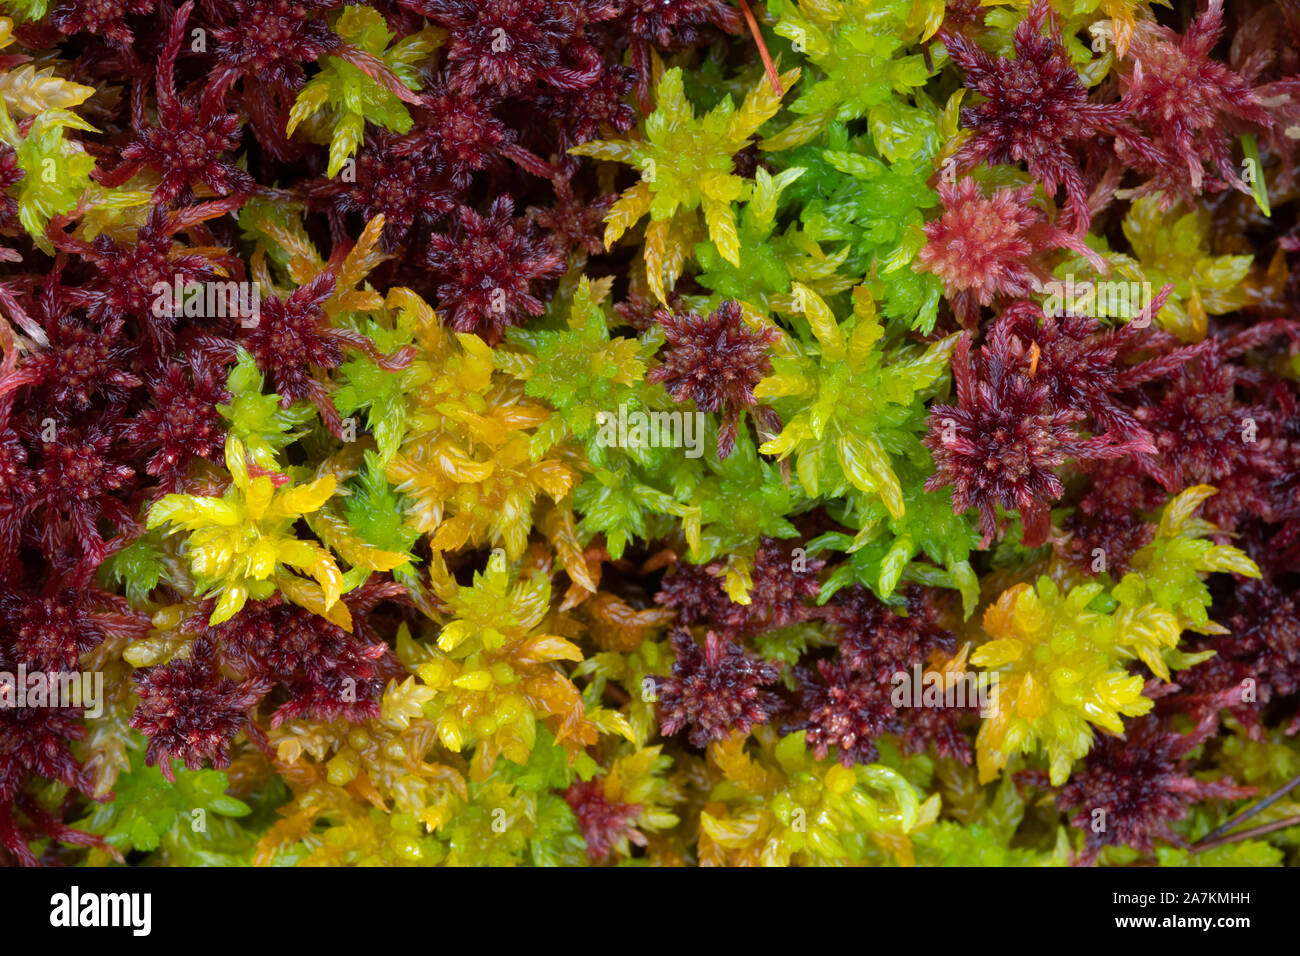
point(494, 432)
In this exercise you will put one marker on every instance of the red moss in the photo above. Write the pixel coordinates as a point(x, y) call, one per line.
point(181, 422)
point(292, 337)
point(673, 25)
point(512, 46)
point(1109, 517)
point(1143, 782)
point(462, 129)
point(1036, 109)
point(1192, 106)
point(604, 825)
point(784, 587)
point(187, 144)
point(78, 475)
point(34, 741)
point(83, 366)
point(781, 594)
point(1204, 435)
point(596, 109)
point(292, 340)
point(849, 703)
point(267, 41)
point(1001, 444)
point(695, 592)
point(845, 710)
point(714, 690)
point(485, 269)
point(1083, 363)
point(716, 362)
point(1257, 662)
point(190, 712)
point(10, 175)
point(126, 277)
point(877, 639)
point(329, 674)
point(985, 249)
point(106, 18)
point(921, 729)
point(413, 188)
point(52, 626)
point(574, 222)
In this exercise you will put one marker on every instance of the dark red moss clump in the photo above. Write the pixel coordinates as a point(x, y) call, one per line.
point(714, 690)
point(324, 673)
point(1204, 434)
point(1001, 445)
point(878, 639)
point(190, 712)
point(1130, 789)
point(189, 143)
point(785, 583)
point(1109, 524)
point(1036, 110)
point(1192, 108)
point(35, 741)
point(852, 700)
point(602, 823)
point(330, 674)
point(1255, 663)
point(845, 709)
point(486, 266)
point(716, 362)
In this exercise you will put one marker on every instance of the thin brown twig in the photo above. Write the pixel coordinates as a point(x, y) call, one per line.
point(763, 55)
point(1247, 834)
point(1249, 812)
point(1216, 838)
